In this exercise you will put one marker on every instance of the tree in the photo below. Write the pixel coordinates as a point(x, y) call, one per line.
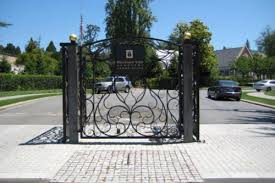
point(5, 67)
point(202, 36)
point(11, 49)
point(17, 50)
point(242, 65)
point(128, 18)
point(257, 65)
point(266, 42)
point(269, 66)
point(91, 32)
point(133, 19)
point(32, 45)
point(38, 62)
point(51, 48)
point(247, 44)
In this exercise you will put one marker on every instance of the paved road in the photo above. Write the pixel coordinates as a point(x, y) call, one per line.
point(227, 111)
point(48, 111)
point(42, 111)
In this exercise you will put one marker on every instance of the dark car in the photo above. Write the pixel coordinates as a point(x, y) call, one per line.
point(225, 89)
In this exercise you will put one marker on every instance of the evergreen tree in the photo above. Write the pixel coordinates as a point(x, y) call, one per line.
point(128, 18)
point(51, 48)
point(31, 46)
point(5, 67)
point(247, 44)
point(17, 50)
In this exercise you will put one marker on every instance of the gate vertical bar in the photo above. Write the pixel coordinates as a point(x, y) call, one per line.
point(73, 92)
point(64, 92)
point(187, 88)
point(180, 85)
point(197, 92)
point(81, 92)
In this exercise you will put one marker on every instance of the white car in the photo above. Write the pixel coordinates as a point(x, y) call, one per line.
point(114, 84)
point(267, 85)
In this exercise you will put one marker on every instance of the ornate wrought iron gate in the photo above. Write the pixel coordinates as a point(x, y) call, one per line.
point(151, 106)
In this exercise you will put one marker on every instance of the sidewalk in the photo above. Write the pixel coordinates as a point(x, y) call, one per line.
point(261, 95)
point(229, 151)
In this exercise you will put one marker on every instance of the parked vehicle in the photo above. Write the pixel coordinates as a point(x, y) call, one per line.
point(225, 89)
point(267, 85)
point(114, 84)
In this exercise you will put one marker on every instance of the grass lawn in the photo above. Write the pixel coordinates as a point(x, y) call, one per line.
point(21, 99)
point(271, 93)
point(13, 93)
point(257, 99)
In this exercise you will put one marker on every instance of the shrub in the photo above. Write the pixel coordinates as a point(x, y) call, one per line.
point(11, 82)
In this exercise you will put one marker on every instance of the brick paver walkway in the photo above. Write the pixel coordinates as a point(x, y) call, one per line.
point(128, 166)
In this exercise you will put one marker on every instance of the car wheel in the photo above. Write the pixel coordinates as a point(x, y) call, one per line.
point(216, 97)
point(127, 89)
point(258, 90)
point(268, 89)
point(110, 89)
point(97, 91)
point(208, 95)
point(238, 99)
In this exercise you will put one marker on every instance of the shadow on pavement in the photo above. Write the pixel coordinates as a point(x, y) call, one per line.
point(55, 136)
point(52, 136)
point(265, 131)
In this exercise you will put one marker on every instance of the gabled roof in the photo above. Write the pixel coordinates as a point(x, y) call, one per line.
point(226, 56)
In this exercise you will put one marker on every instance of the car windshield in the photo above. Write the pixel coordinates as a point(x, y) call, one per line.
point(108, 79)
point(228, 83)
point(262, 81)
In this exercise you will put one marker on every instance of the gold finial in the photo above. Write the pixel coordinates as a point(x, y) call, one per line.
point(73, 38)
point(187, 35)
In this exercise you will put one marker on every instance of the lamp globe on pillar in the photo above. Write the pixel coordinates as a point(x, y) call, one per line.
point(73, 38)
point(187, 36)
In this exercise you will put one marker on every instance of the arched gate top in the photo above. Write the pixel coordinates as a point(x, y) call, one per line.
point(130, 38)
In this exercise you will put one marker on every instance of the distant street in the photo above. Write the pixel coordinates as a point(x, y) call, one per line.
point(226, 111)
point(48, 111)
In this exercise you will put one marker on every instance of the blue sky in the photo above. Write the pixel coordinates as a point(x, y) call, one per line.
point(231, 21)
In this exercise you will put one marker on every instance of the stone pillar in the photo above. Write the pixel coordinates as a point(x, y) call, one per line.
point(187, 90)
point(73, 93)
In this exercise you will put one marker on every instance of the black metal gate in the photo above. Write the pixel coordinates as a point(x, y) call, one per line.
point(143, 93)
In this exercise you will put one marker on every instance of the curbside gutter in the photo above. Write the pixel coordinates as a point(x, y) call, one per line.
point(23, 102)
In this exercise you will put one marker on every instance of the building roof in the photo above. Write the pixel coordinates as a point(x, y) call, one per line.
point(227, 56)
point(10, 59)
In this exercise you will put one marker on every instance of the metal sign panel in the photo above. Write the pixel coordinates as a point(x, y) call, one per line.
point(129, 60)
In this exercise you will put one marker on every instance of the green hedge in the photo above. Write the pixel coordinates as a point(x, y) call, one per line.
point(11, 82)
point(161, 83)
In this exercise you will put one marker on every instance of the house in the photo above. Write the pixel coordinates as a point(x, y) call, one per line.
point(165, 57)
point(12, 60)
point(227, 56)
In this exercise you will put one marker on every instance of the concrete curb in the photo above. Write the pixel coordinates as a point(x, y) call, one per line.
point(24, 180)
point(257, 103)
point(23, 102)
